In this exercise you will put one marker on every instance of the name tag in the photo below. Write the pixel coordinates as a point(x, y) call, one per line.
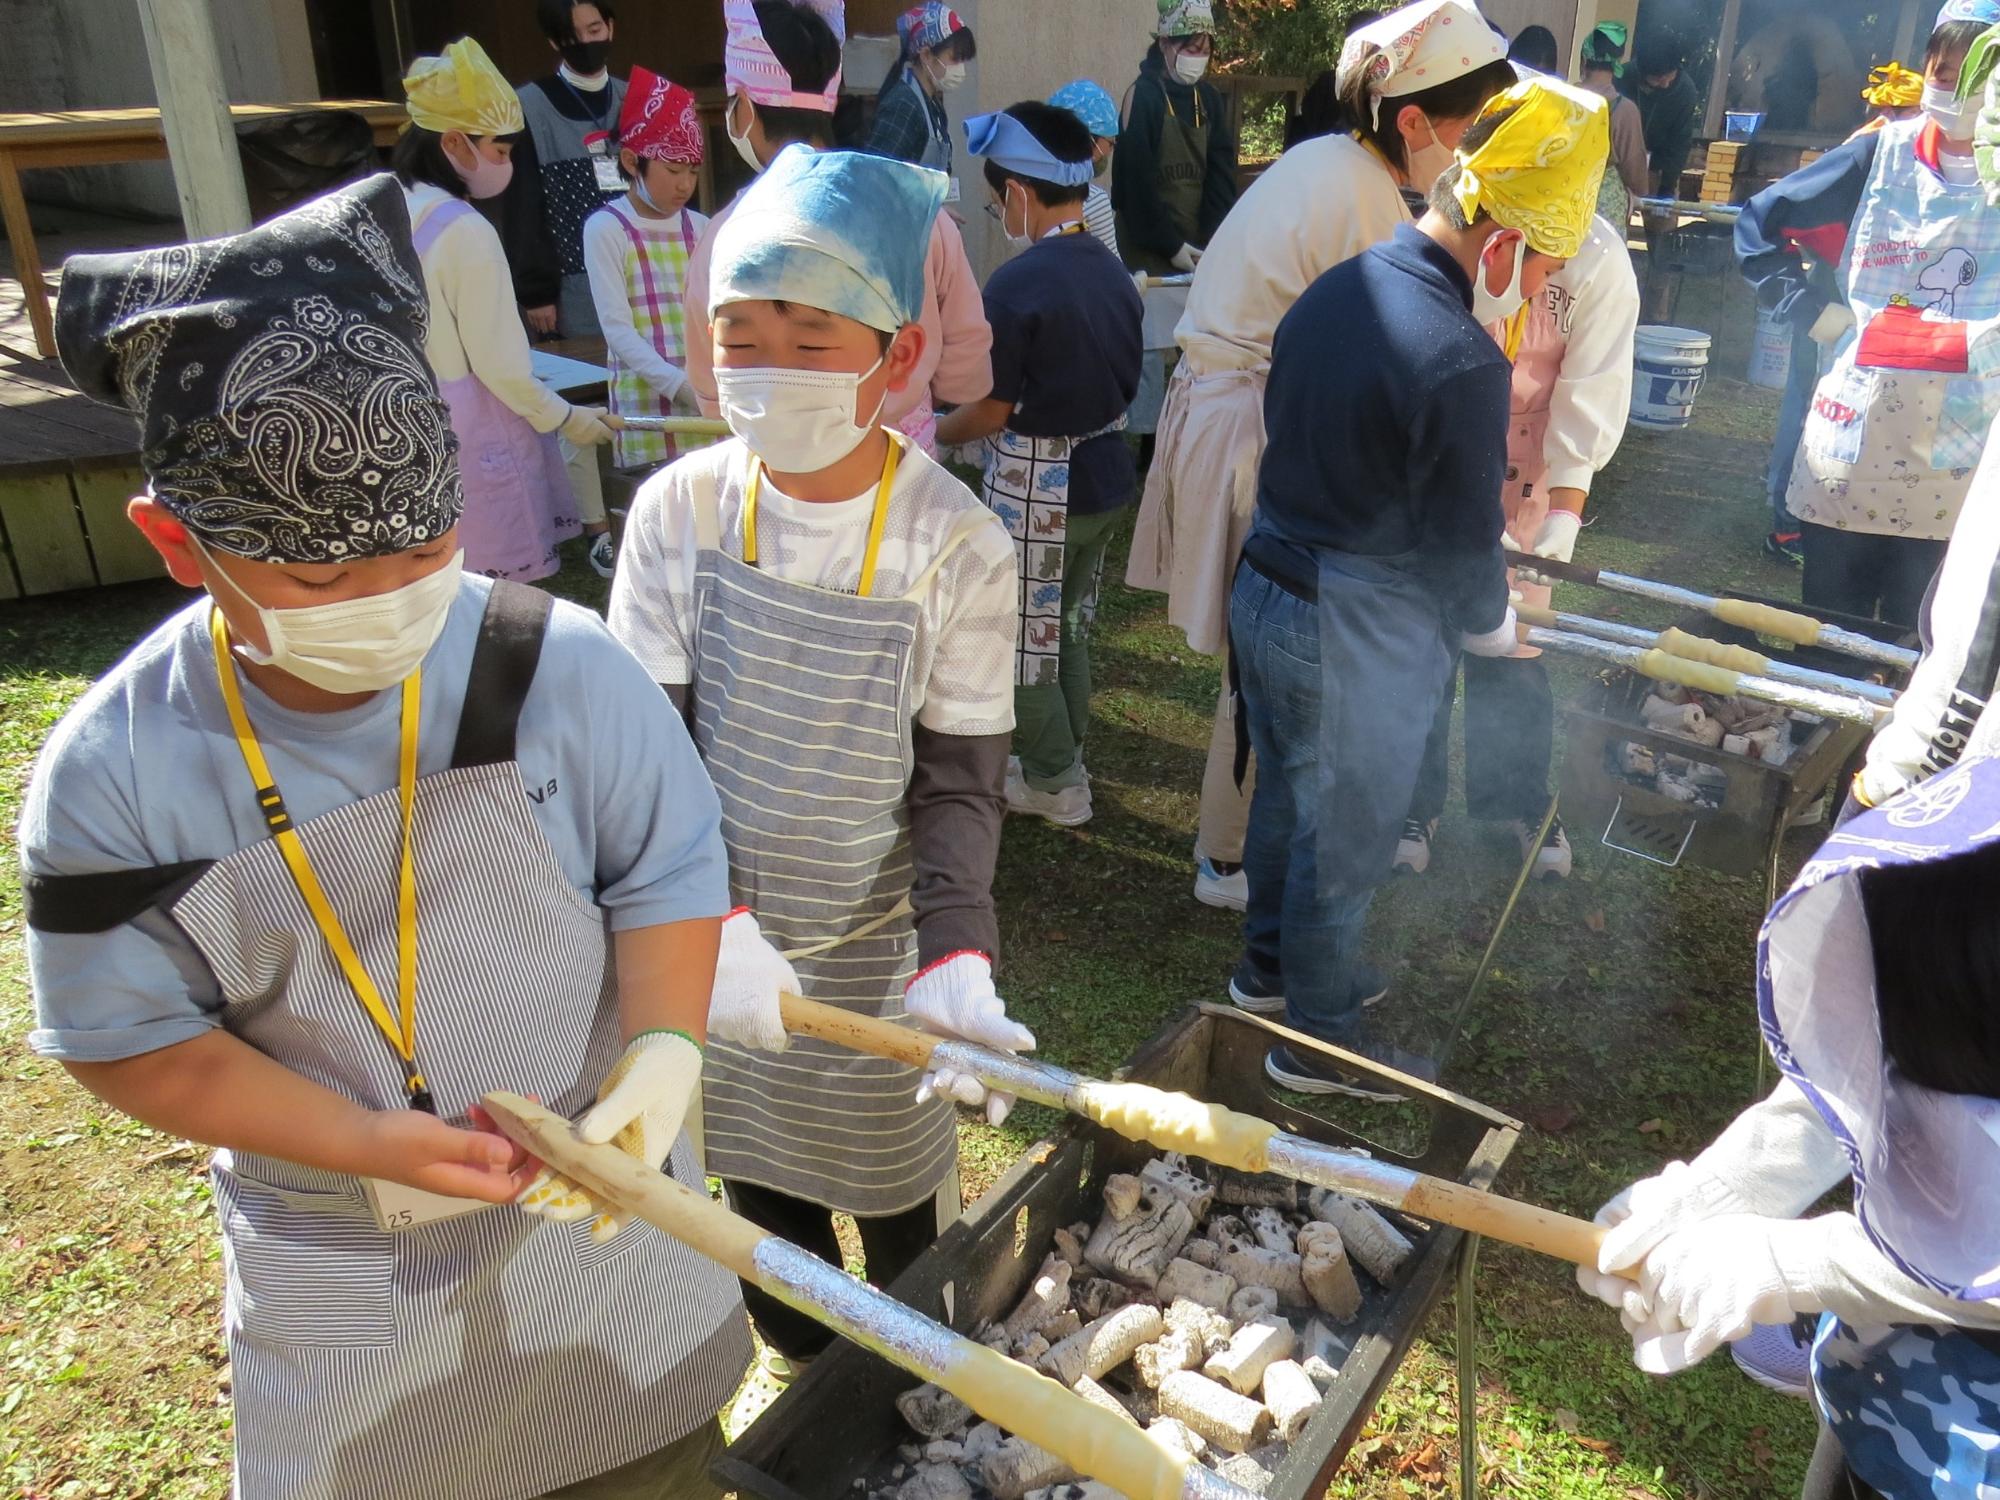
point(951, 190)
point(398, 1207)
point(609, 178)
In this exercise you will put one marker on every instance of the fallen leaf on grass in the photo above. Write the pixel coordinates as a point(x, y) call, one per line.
point(1056, 937)
point(1552, 1118)
point(1596, 1445)
point(1594, 921)
point(1424, 1463)
point(1652, 1127)
point(1567, 1420)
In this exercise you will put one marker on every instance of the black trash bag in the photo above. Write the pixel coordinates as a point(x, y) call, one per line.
point(290, 158)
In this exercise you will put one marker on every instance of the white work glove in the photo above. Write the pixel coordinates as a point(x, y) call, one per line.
point(750, 975)
point(1502, 640)
point(1557, 538)
point(1833, 321)
point(955, 997)
point(1711, 1283)
point(639, 1108)
point(1186, 258)
point(584, 427)
point(1641, 1217)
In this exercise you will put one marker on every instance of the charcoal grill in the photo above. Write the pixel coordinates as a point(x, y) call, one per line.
point(837, 1421)
point(1742, 836)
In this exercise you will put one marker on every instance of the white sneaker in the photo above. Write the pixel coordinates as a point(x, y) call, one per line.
point(1212, 887)
point(1553, 862)
point(1066, 808)
point(604, 555)
point(1413, 849)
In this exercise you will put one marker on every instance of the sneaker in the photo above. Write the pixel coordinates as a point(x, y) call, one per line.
point(781, 1368)
point(1784, 546)
point(1066, 808)
point(1219, 884)
point(1778, 1356)
point(1413, 849)
point(1553, 862)
point(1249, 990)
point(1315, 1075)
point(604, 555)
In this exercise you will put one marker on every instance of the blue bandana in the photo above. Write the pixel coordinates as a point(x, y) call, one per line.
point(841, 231)
point(1090, 103)
point(1985, 12)
point(1006, 142)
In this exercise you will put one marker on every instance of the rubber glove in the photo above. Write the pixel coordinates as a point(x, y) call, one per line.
point(955, 997)
point(1186, 258)
point(1715, 1281)
point(749, 976)
point(639, 1108)
point(1501, 640)
point(584, 427)
point(1833, 321)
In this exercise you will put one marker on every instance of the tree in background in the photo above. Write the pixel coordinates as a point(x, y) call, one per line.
point(1281, 39)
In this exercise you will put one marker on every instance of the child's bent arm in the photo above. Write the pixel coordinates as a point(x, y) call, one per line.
point(972, 421)
point(220, 1091)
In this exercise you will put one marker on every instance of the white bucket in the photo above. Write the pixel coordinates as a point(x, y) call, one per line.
point(1668, 367)
point(1771, 353)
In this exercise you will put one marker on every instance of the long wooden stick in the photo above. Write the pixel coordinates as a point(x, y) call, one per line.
point(1177, 1122)
point(1783, 624)
point(1093, 1441)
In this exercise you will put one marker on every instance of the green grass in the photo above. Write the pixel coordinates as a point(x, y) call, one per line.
point(1617, 1021)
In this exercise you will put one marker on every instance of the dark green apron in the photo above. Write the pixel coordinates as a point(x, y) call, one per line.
point(1177, 180)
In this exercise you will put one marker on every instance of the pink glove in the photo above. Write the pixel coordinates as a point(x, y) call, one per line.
point(955, 997)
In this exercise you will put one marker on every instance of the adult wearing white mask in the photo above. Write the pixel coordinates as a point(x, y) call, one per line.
point(910, 122)
point(1173, 180)
point(1410, 83)
point(519, 501)
point(781, 67)
point(1899, 418)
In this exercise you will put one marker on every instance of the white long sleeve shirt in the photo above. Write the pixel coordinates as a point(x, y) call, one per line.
point(1322, 202)
point(1593, 389)
point(606, 248)
point(1941, 716)
point(475, 323)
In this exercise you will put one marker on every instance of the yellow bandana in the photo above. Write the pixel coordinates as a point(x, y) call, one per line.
point(1893, 86)
point(1539, 171)
point(462, 90)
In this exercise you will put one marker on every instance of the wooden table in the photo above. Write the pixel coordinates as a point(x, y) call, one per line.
point(96, 137)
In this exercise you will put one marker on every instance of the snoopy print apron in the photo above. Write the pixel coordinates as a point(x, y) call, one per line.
point(491, 1356)
point(802, 713)
point(1898, 421)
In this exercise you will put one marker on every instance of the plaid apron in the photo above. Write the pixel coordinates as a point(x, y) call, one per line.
point(656, 286)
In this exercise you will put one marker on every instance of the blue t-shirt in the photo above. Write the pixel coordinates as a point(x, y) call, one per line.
point(1386, 414)
point(1066, 353)
point(146, 771)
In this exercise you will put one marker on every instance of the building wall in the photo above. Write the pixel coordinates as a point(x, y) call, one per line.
point(91, 54)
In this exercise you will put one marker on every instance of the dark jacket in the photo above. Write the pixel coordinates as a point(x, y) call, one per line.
point(1807, 213)
point(1668, 118)
point(1135, 166)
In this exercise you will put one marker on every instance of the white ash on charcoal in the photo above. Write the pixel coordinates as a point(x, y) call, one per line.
point(1202, 1306)
point(1738, 726)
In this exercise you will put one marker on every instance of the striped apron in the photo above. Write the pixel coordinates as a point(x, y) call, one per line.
point(493, 1356)
point(802, 714)
point(655, 285)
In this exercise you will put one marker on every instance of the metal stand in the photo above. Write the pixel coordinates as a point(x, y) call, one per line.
point(1468, 1372)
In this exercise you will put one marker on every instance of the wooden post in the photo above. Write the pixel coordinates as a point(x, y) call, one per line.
point(1718, 88)
point(194, 112)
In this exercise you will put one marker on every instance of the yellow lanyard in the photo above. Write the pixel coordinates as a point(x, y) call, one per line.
point(401, 1029)
point(875, 522)
point(1517, 325)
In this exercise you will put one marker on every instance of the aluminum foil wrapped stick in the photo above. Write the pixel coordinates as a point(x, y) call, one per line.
point(1089, 1439)
point(1213, 1132)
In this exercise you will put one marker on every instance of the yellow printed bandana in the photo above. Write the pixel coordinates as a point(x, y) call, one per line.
point(1893, 86)
point(1539, 172)
point(462, 90)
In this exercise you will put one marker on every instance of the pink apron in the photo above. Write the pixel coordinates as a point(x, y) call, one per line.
point(1537, 365)
point(518, 500)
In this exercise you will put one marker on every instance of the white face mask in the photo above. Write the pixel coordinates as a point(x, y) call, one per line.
point(740, 142)
point(356, 645)
point(950, 76)
point(1426, 163)
point(1190, 66)
point(1954, 117)
point(797, 421)
point(1488, 308)
point(1006, 203)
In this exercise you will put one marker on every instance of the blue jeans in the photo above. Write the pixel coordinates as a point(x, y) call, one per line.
point(1792, 410)
point(1297, 932)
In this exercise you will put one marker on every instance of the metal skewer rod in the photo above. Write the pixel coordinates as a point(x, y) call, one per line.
point(1640, 636)
point(1785, 624)
point(1716, 213)
point(1146, 280)
point(1090, 1439)
point(1651, 661)
point(683, 426)
point(1178, 1122)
